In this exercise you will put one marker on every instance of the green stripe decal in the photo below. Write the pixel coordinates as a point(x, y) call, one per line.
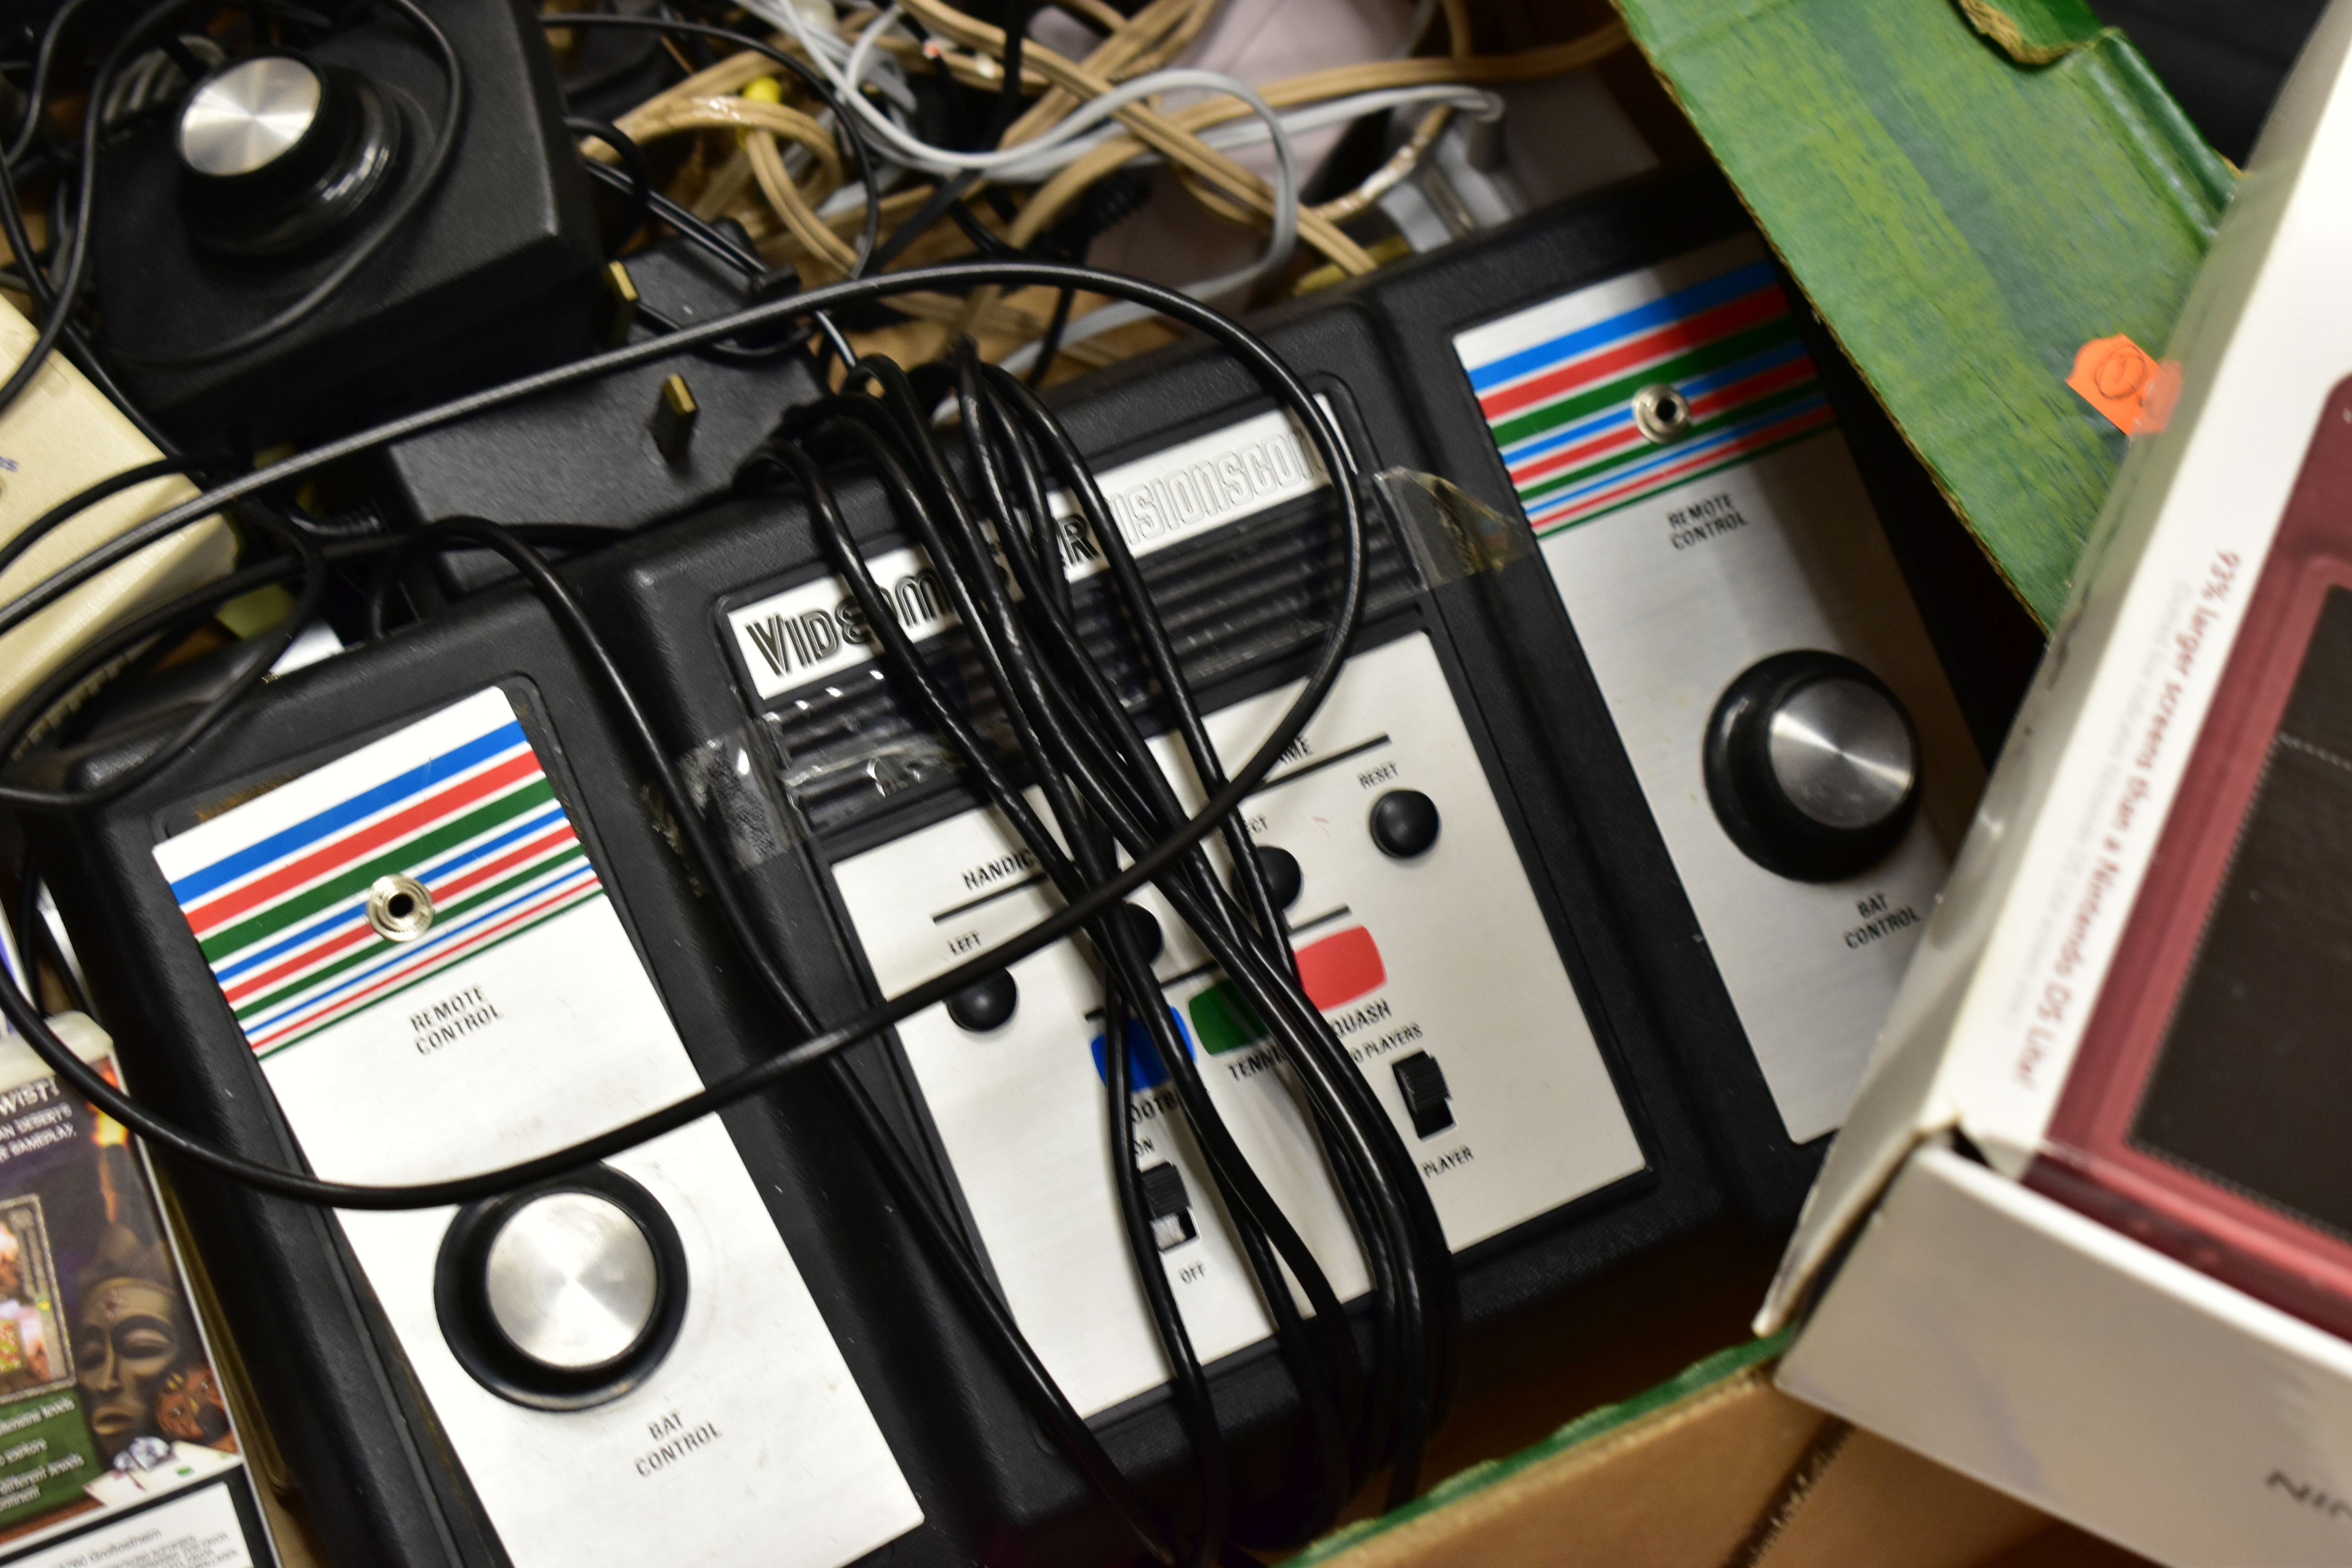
point(374, 949)
point(1618, 393)
point(401, 857)
point(1743, 413)
point(1733, 461)
point(595, 891)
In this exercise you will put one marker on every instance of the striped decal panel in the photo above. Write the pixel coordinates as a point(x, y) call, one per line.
point(275, 890)
point(1556, 382)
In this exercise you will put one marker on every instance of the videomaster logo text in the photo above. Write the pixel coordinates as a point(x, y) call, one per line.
point(807, 633)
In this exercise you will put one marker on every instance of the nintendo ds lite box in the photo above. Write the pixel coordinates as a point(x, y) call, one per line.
point(2087, 1235)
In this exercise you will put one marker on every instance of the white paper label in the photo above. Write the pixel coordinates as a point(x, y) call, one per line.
point(199, 1529)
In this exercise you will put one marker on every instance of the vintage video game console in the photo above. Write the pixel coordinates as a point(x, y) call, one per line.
point(1443, 905)
point(414, 913)
point(411, 916)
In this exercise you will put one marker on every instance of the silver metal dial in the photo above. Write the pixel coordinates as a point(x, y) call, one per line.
point(246, 118)
point(1842, 753)
point(572, 1280)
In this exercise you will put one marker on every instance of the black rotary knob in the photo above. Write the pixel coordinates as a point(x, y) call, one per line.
point(1284, 880)
point(277, 152)
point(1404, 822)
point(562, 1296)
point(1813, 765)
point(986, 1004)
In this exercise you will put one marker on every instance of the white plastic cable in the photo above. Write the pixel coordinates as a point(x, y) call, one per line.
point(1478, 102)
point(1475, 101)
point(829, 49)
point(1030, 158)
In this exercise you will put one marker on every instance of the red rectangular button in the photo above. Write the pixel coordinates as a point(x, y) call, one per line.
point(1340, 968)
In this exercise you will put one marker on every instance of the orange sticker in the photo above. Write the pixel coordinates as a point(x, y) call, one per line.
point(2118, 377)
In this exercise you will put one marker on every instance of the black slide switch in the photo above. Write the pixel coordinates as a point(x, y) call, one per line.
point(1423, 1083)
point(1165, 1200)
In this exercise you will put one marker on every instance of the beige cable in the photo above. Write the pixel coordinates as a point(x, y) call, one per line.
point(1155, 129)
point(1051, 198)
point(974, 70)
point(723, 188)
point(794, 205)
point(1159, 32)
point(748, 115)
point(1399, 167)
point(1156, 34)
point(727, 76)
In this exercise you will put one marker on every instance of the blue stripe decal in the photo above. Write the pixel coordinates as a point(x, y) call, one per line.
point(1696, 386)
point(416, 781)
point(343, 914)
point(1689, 301)
point(528, 827)
point(1672, 455)
point(255, 1025)
point(1567, 434)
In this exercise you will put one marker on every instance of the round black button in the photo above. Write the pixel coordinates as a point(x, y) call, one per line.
point(986, 1004)
point(1812, 766)
point(1145, 929)
point(1404, 822)
point(1283, 877)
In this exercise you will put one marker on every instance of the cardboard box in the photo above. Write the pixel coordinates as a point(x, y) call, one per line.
point(1967, 191)
point(2140, 1358)
point(1713, 1467)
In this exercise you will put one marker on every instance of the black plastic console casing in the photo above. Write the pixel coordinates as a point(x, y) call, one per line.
point(494, 274)
point(661, 600)
point(1419, 307)
point(347, 1413)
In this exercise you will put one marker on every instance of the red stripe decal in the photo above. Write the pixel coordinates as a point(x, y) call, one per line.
point(338, 941)
point(359, 931)
point(204, 918)
point(473, 941)
point(1626, 435)
point(1762, 384)
point(1724, 319)
point(1662, 477)
point(556, 837)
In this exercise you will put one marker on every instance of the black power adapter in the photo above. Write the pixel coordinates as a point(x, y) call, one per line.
point(621, 452)
point(212, 221)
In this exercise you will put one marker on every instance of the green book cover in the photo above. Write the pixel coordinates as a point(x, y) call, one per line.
point(1968, 191)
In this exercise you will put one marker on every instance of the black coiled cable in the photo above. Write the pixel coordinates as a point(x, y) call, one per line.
point(1105, 792)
